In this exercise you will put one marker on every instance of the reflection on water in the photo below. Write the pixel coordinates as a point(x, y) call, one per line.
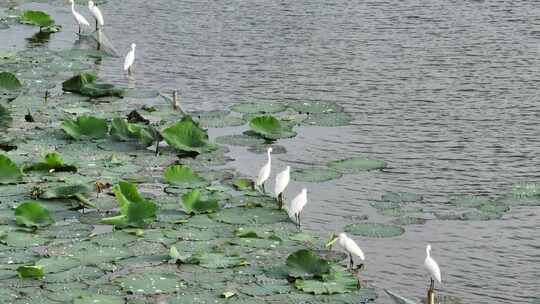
point(38, 39)
point(446, 92)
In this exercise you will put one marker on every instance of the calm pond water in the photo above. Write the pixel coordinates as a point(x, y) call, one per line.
point(445, 91)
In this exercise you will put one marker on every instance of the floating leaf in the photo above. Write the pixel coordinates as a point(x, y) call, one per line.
point(30, 272)
point(262, 107)
point(149, 283)
point(242, 216)
point(194, 204)
point(9, 171)
point(180, 175)
point(86, 127)
point(85, 84)
point(187, 136)
point(216, 260)
point(357, 164)
point(135, 210)
point(52, 162)
point(305, 263)
point(9, 81)
point(315, 174)
point(336, 282)
point(218, 119)
point(75, 191)
point(37, 18)
point(270, 128)
point(374, 230)
point(32, 214)
point(401, 197)
point(243, 184)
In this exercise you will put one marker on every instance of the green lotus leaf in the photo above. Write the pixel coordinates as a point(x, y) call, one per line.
point(135, 211)
point(75, 191)
point(57, 264)
point(335, 282)
point(52, 162)
point(216, 260)
point(374, 230)
point(5, 117)
point(85, 84)
point(316, 107)
point(328, 119)
point(21, 239)
point(243, 184)
point(9, 171)
point(149, 283)
point(187, 136)
point(99, 299)
point(218, 119)
point(86, 127)
point(10, 82)
point(259, 108)
point(257, 216)
point(146, 134)
point(37, 18)
point(32, 214)
point(409, 220)
point(306, 263)
point(270, 128)
point(120, 130)
point(315, 174)
point(31, 272)
point(357, 164)
point(194, 204)
point(180, 175)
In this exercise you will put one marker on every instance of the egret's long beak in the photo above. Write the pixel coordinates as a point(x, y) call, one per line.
point(332, 241)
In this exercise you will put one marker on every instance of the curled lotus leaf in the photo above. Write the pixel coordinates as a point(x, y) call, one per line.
point(187, 136)
point(9, 171)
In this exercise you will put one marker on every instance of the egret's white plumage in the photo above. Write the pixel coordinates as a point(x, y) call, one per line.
point(282, 180)
point(264, 173)
point(130, 58)
point(296, 206)
point(78, 17)
point(432, 266)
point(350, 246)
point(96, 12)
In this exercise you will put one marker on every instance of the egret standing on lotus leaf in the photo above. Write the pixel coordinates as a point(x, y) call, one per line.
point(96, 12)
point(130, 58)
point(296, 206)
point(432, 267)
point(78, 17)
point(282, 180)
point(264, 173)
point(350, 246)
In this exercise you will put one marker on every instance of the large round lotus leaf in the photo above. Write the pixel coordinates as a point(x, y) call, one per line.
point(469, 201)
point(357, 164)
point(401, 197)
point(194, 234)
point(143, 248)
point(257, 243)
point(339, 282)
point(187, 136)
point(328, 119)
point(115, 238)
point(218, 119)
point(9, 171)
point(194, 297)
point(314, 174)
point(180, 175)
point(270, 128)
point(242, 140)
point(306, 263)
point(262, 107)
point(315, 107)
point(80, 273)
point(9, 81)
point(99, 254)
point(374, 230)
point(22, 239)
point(99, 299)
point(32, 214)
point(217, 260)
point(37, 18)
point(150, 283)
point(86, 126)
point(243, 216)
point(267, 286)
point(58, 264)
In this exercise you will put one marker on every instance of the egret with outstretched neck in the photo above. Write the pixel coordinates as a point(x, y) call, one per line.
point(130, 58)
point(432, 267)
point(96, 12)
point(78, 17)
point(264, 173)
point(350, 246)
point(282, 180)
point(296, 206)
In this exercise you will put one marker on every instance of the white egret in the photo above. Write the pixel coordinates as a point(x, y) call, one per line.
point(97, 14)
point(282, 180)
point(264, 173)
point(296, 206)
point(432, 268)
point(78, 17)
point(350, 246)
point(130, 58)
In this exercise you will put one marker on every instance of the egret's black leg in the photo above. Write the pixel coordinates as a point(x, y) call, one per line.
point(299, 224)
point(262, 187)
point(79, 29)
point(432, 284)
point(351, 261)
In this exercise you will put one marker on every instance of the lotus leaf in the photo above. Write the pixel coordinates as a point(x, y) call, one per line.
point(187, 136)
point(135, 210)
point(328, 119)
point(9, 81)
point(52, 162)
point(270, 128)
point(99, 299)
point(335, 282)
point(216, 260)
point(242, 140)
point(306, 263)
point(86, 127)
point(180, 175)
point(194, 204)
point(374, 230)
point(315, 174)
point(31, 272)
point(5, 117)
point(37, 18)
point(85, 84)
point(357, 164)
point(9, 171)
point(32, 214)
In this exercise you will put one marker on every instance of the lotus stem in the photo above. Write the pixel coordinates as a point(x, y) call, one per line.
point(157, 148)
point(175, 104)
